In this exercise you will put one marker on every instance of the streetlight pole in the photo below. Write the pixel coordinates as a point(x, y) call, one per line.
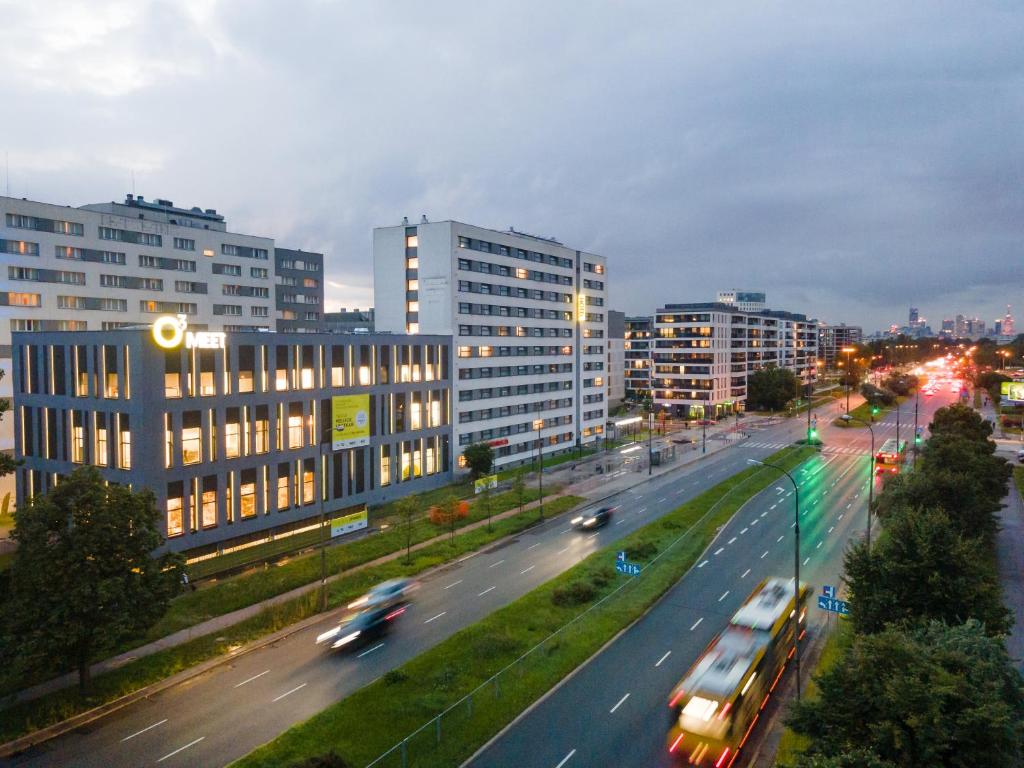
point(323, 529)
point(871, 471)
point(538, 424)
point(917, 401)
point(704, 433)
point(796, 565)
point(847, 350)
point(650, 444)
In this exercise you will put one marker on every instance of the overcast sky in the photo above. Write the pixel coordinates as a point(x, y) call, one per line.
point(850, 159)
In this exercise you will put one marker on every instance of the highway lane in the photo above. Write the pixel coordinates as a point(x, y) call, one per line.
point(220, 716)
point(613, 711)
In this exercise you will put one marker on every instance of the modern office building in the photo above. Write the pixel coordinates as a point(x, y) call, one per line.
point(745, 301)
point(240, 436)
point(114, 265)
point(832, 339)
point(703, 353)
point(349, 321)
point(299, 291)
point(529, 326)
point(616, 368)
point(639, 345)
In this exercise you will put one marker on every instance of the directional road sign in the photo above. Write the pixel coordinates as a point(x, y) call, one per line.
point(620, 556)
point(828, 591)
point(630, 569)
point(834, 606)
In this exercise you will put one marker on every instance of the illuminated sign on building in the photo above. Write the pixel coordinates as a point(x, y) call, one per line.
point(581, 307)
point(170, 331)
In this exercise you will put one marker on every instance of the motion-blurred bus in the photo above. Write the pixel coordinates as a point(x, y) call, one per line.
point(889, 458)
point(718, 702)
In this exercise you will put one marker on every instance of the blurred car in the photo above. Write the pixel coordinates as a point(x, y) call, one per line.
point(361, 627)
point(391, 592)
point(1020, 455)
point(704, 422)
point(594, 518)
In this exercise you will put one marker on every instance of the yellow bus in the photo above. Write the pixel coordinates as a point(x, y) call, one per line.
point(719, 700)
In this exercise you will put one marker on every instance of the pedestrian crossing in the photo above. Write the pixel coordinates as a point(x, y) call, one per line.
point(837, 449)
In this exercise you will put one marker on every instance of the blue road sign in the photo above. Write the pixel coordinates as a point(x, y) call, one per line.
point(620, 556)
point(834, 606)
point(828, 591)
point(630, 569)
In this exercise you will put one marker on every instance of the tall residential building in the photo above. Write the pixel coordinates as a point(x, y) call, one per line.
point(832, 339)
point(703, 353)
point(111, 265)
point(616, 367)
point(529, 325)
point(299, 293)
point(638, 355)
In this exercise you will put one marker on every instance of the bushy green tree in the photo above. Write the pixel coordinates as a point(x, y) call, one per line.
point(960, 421)
point(479, 459)
point(84, 576)
point(919, 569)
point(852, 758)
point(771, 388)
point(935, 696)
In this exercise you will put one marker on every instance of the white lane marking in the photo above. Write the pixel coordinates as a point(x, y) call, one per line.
point(620, 522)
point(641, 510)
point(732, 539)
point(612, 710)
point(562, 551)
point(464, 559)
point(780, 489)
point(745, 573)
point(849, 505)
point(442, 613)
point(261, 674)
point(724, 595)
point(658, 664)
point(840, 516)
point(720, 550)
point(753, 523)
point(773, 506)
point(663, 498)
point(831, 529)
point(744, 531)
point(454, 583)
point(154, 725)
point(779, 539)
point(807, 561)
point(763, 514)
point(567, 530)
point(534, 546)
point(764, 555)
point(566, 759)
point(180, 749)
point(527, 570)
point(792, 525)
point(289, 693)
point(481, 594)
point(680, 492)
point(696, 623)
point(703, 563)
point(856, 495)
point(376, 647)
point(495, 565)
point(819, 545)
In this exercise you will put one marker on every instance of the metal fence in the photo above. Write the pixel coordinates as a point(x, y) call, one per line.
point(502, 696)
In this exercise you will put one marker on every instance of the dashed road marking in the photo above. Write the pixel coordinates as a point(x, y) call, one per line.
point(696, 623)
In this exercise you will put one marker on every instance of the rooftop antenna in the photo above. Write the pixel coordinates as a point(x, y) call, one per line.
point(423, 219)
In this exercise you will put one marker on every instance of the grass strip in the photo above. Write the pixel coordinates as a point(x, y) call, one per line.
point(1018, 478)
point(863, 412)
point(254, 586)
point(26, 717)
point(364, 725)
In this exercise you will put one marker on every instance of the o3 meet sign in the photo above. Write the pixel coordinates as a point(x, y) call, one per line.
point(169, 331)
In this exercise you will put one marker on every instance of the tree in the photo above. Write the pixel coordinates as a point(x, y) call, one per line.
point(84, 577)
point(479, 458)
point(450, 508)
point(935, 696)
point(407, 509)
point(922, 569)
point(852, 758)
point(519, 489)
point(961, 421)
point(483, 501)
point(876, 395)
point(771, 388)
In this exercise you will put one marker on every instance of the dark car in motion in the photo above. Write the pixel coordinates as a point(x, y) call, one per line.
point(357, 629)
point(593, 518)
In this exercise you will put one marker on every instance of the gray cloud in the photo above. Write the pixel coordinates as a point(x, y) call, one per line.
point(850, 160)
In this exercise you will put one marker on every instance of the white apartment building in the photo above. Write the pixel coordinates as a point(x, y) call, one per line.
point(704, 351)
point(112, 265)
point(529, 326)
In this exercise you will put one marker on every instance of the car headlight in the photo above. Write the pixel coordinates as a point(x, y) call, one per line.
point(346, 639)
point(576, 520)
point(359, 601)
point(590, 521)
point(327, 635)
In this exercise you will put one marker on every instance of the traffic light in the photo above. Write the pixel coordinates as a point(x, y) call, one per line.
point(812, 435)
point(874, 412)
point(917, 438)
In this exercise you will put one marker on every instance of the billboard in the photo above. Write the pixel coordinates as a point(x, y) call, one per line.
point(1012, 391)
point(487, 481)
point(350, 421)
point(348, 523)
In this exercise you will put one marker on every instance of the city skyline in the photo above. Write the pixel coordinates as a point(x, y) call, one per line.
point(809, 162)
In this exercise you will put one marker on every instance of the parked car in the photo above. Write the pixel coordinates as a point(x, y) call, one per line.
point(359, 628)
point(594, 518)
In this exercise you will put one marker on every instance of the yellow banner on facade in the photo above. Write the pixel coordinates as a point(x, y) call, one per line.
point(348, 523)
point(350, 421)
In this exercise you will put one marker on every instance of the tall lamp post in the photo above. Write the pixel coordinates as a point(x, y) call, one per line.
point(650, 443)
point(796, 564)
point(538, 424)
point(871, 470)
point(325, 443)
point(848, 351)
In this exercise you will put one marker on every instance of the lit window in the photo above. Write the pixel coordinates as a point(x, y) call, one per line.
point(465, 352)
point(412, 285)
point(306, 378)
point(101, 446)
point(415, 415)
point(172, 384)
point(245, 381)
point(307, 486)
point(414, 327)
point(281, 379)
point(294, 431)
point(413, 306)
point(412, 241)
point(283, 501)
point(262, 436)
point(191, 445)
point(175, 519)
point(247, 494)
point(435, 413)
point(209, 509)
point(207, 385)
point(78, 444)
point(522, 273)
point(412, 263)
point(232, 442)
point(385, 466)
point(364, 375)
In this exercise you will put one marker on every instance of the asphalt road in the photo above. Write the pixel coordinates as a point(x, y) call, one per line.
point(222, 715)
point(613, 710)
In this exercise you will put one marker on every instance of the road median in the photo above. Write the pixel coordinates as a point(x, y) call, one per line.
point(449, 708)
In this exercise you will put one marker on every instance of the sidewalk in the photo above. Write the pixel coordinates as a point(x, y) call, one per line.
point(1010, 560)
point(581, 479)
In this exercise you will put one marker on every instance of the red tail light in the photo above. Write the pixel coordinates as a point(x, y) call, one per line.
point(395, 613)
point(722, 758)
point(676, 743)
point(677, 697)
point(725, 710)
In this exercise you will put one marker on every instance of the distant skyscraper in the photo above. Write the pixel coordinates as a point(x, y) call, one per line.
point(1008, 322)
point(912, 316)
point(947, 328)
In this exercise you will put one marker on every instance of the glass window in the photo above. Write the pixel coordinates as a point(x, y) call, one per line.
point(385, 465)
point(209, 509)
point(307, 481)
point(191, 438)
point(175, 517)
point(101, 440)
point(294, 431)
point(247, 494)
point(232, 435)
point(262, 429)
point(283, 501)
point(124, 443)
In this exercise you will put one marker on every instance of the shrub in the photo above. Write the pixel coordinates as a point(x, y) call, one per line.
point(643, 550)
point(575, 593)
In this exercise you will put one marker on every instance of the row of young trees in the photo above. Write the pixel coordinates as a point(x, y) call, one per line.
point(926, 679)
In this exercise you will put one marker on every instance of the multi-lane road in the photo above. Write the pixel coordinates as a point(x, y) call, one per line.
point(223, 714)
point(614, 710)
